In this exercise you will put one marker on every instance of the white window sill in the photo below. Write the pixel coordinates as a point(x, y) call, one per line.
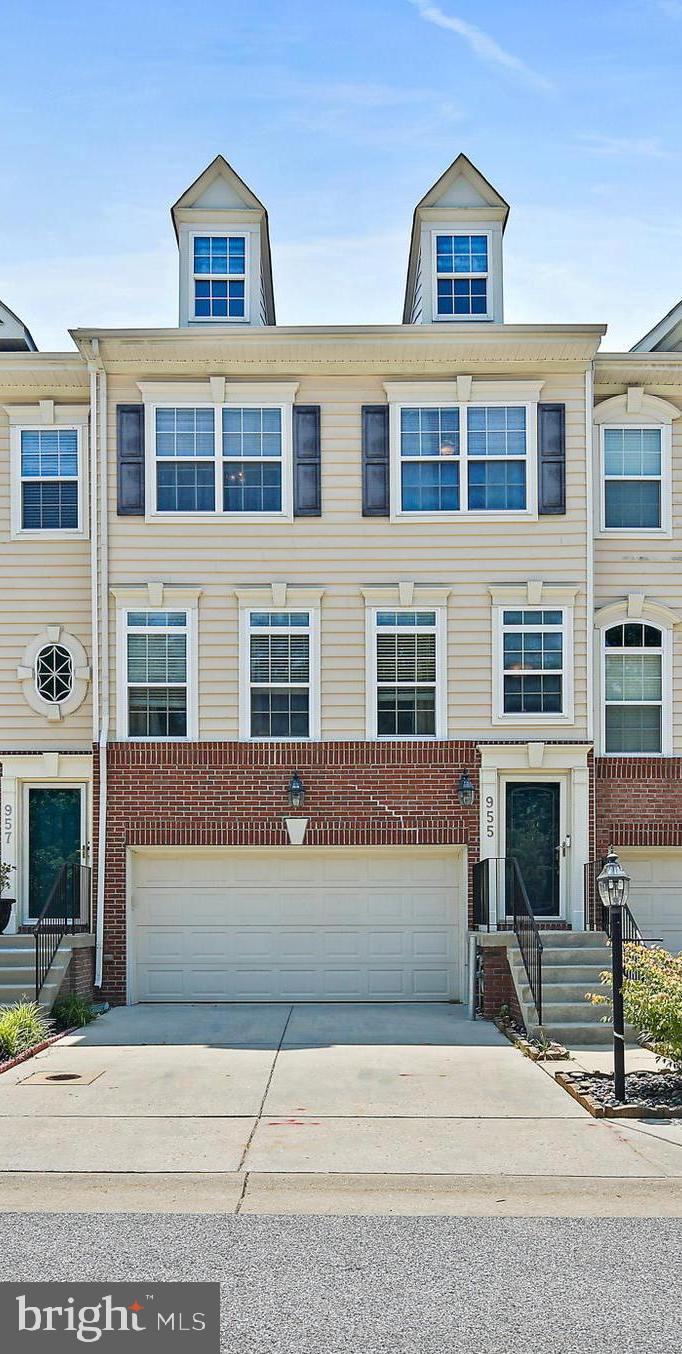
point(532, 721)
point(164, 518)
point(213, 320)
point(462, 319)
point(49, 534)
point(634, 533)
point(514, 515)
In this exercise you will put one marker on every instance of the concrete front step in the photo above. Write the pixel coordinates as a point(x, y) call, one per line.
point(560, 991)
point(573, 940)
point(574, 1033)
point(573, 973)
point(596, 957)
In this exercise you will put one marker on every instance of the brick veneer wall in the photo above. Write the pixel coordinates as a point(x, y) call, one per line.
point(498, 984)
point(638, 802)
point(79, 976)
point(235, 794)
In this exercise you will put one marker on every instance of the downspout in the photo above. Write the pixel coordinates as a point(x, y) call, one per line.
point(590, 543)
point(100, 615)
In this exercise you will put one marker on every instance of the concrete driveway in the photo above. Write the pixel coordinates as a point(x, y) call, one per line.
point(261, 1108)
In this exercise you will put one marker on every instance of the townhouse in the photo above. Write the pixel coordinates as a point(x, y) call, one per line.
point(301, 625)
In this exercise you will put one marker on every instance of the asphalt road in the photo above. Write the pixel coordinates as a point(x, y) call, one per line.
point(425, 1285)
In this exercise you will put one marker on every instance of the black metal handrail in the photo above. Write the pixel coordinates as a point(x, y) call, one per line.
point(526, 930)
point(68, 902)
point(500, 877)
point(598, 917)
point(481, 884)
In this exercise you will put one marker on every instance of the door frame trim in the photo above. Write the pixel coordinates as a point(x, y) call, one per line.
point(52, 768)
point(531, 778)
point(531, 761)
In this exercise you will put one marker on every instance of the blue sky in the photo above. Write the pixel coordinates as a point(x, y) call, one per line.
point(340, 116)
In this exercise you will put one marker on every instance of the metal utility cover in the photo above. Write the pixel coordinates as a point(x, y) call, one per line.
point(60, 1078)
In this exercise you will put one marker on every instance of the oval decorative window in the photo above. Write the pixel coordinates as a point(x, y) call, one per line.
point(54, 673)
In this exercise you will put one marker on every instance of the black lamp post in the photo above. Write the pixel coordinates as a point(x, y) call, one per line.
point(296, 791)
point(614, 886)
point(466, 790)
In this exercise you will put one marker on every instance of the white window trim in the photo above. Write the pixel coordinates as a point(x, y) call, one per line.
point(665, 529)
point(170, 603)
point(398, 514)
point(216, 233)
point(666, 634)
point(314, 696)
point(153, 515)
point(462, 319)
point(371, 631)
point(17, 531)
point(499, 716)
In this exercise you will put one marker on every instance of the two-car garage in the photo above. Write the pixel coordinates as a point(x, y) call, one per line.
point(296, 924)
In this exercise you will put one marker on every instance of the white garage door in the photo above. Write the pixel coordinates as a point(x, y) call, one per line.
point(656, 893)
point(296, 925)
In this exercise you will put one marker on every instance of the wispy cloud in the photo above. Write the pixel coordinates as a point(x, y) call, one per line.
point(482, 44)
point(627, 147)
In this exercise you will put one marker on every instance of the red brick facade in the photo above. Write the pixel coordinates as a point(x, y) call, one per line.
point(235, 794)
point(498, 984)
point(638, 802)
point(79, 976)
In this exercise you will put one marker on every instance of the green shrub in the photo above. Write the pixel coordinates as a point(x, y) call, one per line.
point(73, 1011)
point(22, 1025)
point(652, 999)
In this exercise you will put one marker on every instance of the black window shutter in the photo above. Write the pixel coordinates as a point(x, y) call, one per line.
point(551, 458)
point(130, 459)
point(376, 498)
point(307, 461)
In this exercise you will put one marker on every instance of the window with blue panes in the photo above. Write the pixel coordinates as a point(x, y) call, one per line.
point(496, 456)
point(461, 275)
point(185, 460)
point(220, 277)
point(429, 456)
point(49, 479)
point(533, 660)
point(252, 460)
point(632, 478)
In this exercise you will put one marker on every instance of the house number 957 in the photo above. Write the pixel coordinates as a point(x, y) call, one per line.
point(7, 823)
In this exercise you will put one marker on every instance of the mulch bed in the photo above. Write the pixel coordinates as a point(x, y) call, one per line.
point(535, 1049)
point(649, 1095)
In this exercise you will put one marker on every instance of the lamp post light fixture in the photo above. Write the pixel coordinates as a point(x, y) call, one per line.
point(614, 887)
point(296, 791)
point(466, 790)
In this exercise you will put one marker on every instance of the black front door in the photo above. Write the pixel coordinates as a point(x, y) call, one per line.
point(533, 838)
point(54, 836)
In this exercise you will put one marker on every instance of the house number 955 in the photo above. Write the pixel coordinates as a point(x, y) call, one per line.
point(489, 816)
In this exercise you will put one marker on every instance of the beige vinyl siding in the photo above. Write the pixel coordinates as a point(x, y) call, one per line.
point(652, 565)
point(43, 583)
point(343, 553)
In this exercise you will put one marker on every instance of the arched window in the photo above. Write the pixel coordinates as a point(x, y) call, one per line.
point(54, 673)
point(633, 688)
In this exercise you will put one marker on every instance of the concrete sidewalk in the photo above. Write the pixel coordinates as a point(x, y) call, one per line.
point(315, 1108)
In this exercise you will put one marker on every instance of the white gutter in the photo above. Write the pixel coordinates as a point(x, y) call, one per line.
point(100, 624)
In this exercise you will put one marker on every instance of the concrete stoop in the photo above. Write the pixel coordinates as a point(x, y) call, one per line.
point(17, 969)
point(572, 962)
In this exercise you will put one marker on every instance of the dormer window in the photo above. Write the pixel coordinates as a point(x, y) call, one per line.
point(220, 277)
point(461, 276)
